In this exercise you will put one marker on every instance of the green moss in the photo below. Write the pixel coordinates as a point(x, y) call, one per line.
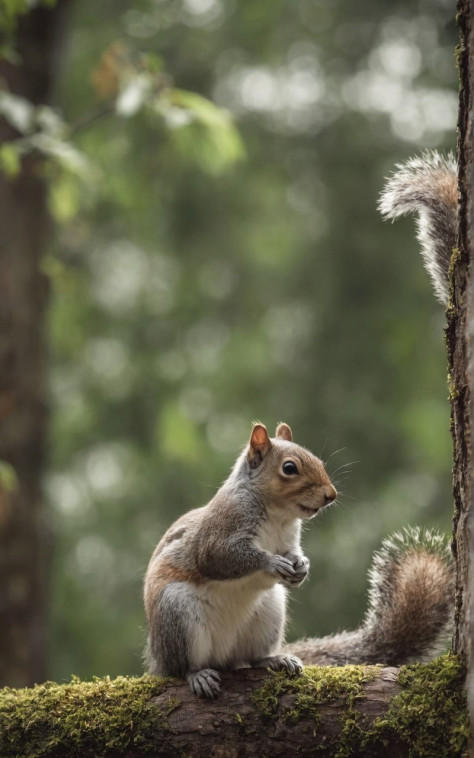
point(81, 718)
point(452, 389)
point(459, 51)
point(430, 714)
point(428, 717)
point(454, 261)
point(317, 685)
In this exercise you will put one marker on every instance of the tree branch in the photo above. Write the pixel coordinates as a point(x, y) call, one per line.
point(90, 118)
point(350, 710)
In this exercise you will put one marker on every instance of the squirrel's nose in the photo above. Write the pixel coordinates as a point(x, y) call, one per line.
point(330, 494)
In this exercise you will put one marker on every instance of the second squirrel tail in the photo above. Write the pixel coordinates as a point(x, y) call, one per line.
point(410, 609)
point(428, 185)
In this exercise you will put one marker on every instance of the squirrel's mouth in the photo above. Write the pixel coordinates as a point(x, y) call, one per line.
point(308, 511)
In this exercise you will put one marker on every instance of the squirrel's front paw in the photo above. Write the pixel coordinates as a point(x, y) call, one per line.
point(300, 565)
point(282, 567)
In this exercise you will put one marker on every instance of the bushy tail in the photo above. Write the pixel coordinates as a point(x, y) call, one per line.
point(410, 609)
point(428, 185)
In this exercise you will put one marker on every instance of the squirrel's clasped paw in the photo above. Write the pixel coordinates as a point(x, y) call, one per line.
point(300, 568)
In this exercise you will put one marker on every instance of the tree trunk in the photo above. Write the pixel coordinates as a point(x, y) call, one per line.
point(25, 236)
point(457, 341)
point(460, 343)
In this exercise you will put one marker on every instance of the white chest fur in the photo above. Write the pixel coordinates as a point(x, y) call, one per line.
point(278, 536)
point(233, 617)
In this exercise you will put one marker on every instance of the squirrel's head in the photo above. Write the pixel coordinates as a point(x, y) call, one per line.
point(288, 476)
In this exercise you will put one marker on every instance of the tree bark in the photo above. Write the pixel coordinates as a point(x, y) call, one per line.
point(25, 235)
point(457, 341)
point(231, 726)
point(460, 344)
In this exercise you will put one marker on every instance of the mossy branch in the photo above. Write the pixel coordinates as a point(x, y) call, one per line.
point(349, 711)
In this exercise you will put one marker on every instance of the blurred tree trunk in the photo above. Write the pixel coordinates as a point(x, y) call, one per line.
point(25, 235)
point(460, 344)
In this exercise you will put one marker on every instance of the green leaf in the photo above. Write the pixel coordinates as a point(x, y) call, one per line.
point(9, 11)
point(213, 150)
point(203, 110)
point(10, 159)
point(18, 111)
point(49, 121)
point(134, 95)
point(68, 156)
point(8, 477)
point(207, 134)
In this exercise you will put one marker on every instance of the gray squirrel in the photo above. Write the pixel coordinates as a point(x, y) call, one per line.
point(215, 588)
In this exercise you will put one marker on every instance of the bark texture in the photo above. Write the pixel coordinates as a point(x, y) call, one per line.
point(457, 341)
point(25, 236)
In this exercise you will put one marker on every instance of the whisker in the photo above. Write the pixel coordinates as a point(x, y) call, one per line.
point(338, 485)
point(345, 495)
point(322, 449)
point(343, 466)
point(338, 474)
point(341, 477)
point(334, 453)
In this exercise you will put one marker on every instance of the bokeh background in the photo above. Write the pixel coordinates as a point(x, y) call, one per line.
point(206, 275)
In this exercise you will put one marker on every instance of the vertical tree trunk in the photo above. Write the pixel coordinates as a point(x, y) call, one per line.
point(460, 344)
point(457, 340)
point(25, 234)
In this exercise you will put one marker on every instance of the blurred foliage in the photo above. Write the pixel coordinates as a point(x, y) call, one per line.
point(199, 284)
point(11, 12)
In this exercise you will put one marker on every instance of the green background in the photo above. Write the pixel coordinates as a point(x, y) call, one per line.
point(200, 282)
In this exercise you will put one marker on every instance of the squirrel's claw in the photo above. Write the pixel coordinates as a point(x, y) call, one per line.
point(205, 683)
point(290, 663)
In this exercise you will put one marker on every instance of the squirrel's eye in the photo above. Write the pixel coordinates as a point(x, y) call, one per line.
point(289, 468)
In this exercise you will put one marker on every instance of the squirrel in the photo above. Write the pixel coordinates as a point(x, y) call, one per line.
point(215, 588)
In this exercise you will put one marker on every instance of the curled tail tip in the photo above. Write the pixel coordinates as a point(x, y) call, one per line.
point(412, 538)
point(411, 596)
point(427, 185)
point(417, 182)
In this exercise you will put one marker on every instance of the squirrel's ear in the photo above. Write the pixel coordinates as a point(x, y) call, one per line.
point(259, 445)
point(283, 431)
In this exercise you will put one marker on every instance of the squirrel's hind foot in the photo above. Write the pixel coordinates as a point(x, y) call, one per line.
point(205, 683)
